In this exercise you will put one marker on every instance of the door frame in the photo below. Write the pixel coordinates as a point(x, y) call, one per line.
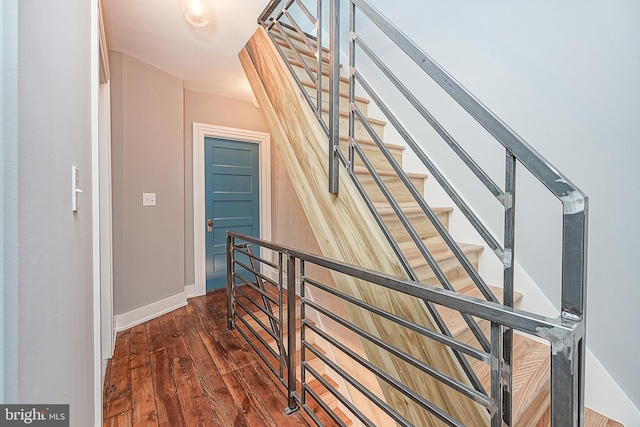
point(200, 132)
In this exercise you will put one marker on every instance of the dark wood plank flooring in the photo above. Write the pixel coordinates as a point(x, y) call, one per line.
point(184, 369)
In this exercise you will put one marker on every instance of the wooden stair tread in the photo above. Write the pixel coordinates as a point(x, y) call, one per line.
point(361, 170)
point(438, 249)
point(596, 419)
point(295, 35)
point(344, 114)
point(409, 209)
point(370, 142)
point(315, 70)
point(342, 94)
point(303, 51)
point(531, 369)
point(591, 419)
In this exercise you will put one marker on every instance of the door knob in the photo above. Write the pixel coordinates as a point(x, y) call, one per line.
point(209, 225)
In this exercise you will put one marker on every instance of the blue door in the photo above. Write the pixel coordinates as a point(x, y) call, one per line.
point(232, 200)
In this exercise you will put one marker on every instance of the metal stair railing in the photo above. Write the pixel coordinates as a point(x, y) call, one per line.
point(517, 151)
point(564, 335)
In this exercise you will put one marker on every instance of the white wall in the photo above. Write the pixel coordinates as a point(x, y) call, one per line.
point(55, 274)
point(566, 77)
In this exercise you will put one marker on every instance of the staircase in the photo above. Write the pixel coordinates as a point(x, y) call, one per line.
point(338, 222)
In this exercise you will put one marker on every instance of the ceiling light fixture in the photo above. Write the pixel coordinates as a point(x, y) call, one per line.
point(196, 12)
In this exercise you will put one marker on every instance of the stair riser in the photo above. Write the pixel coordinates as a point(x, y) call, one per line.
point(304, 77)
point(344, 101)
point(359, 128)
point(419, 222)
point(300, 45)
point(452, 269)
point(374, 155)
point(395, 185)
point(310, 60)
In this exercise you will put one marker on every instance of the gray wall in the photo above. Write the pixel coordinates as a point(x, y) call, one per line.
point(147, 138)
point(213, 110)
point(566, 77)
point(56, 334)
point(9, 201)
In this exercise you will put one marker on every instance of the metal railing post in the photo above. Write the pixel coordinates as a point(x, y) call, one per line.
point(334, 95)
point(508, 283)
point(567, 389)
point(568, 362)
point(230, 290)
point(496, 389)
point(292, 405)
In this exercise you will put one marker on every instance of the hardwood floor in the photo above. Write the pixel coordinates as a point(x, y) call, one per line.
point(184, 369)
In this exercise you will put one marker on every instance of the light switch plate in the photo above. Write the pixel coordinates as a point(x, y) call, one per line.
point(75, 189)
point(148, 199)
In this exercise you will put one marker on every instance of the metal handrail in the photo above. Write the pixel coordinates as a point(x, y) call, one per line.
point(574, 202)
point(565, 335)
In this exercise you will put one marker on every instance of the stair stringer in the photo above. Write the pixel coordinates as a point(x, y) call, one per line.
point(345, 230)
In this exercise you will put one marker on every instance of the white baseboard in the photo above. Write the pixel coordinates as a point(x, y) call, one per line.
point(190, 291)
point(604, 395)
point(150, 311)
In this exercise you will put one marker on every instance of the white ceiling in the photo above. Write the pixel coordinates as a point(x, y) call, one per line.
point(206, 58)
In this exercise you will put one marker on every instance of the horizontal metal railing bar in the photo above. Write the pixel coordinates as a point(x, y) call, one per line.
point(306, 11)
point(556, 182)
point(521, 320)
point(417, 240)
point(433, 218)
point(266, 328)
point(252, 286)
point(263, 309)
point(438, 337)
point(446, 136)
point(346, 402)
point(364, 390)
point(447, 380)
point(259, 275)
point(257, 336)
point(303, 90)
point(264, 359)
point(242, 249)
point(303, 63)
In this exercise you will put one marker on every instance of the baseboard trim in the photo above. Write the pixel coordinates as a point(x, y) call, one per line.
point(190, 291)
point(145, 313)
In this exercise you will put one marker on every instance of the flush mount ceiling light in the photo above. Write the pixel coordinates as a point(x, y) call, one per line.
point(196, 12)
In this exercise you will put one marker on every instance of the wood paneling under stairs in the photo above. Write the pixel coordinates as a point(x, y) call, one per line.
point(184, 369)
